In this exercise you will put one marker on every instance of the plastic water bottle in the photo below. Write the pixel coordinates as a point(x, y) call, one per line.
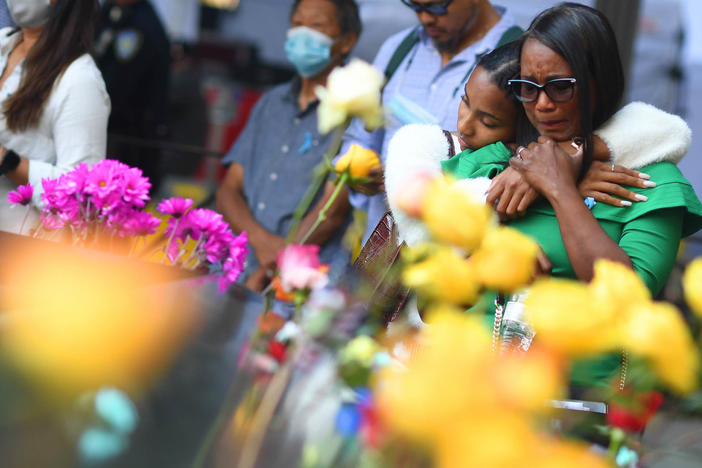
point(517, 334)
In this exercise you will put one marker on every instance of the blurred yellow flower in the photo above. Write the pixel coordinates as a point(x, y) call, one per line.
point(453, 216)
point(657, 332)
point(528, 382)
point(505, 260)
point(358, 161)
point(499, 439)
point(76, 323)
point(351, 91)
point(469, 406)
point(692, 283)
point(444, 275)
point(562, 314)
point(441, 384)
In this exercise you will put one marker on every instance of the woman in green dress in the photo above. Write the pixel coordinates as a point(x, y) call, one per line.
point(571, 82)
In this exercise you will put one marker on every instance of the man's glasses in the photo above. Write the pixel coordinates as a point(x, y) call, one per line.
point(558, 90)
point(436, 9)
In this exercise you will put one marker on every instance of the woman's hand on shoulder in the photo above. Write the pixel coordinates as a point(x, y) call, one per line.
point(547, 167)
point(604, 182)
point(510, 194)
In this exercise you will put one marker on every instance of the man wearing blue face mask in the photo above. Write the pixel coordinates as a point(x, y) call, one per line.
point(272, 161)
point(426, 68)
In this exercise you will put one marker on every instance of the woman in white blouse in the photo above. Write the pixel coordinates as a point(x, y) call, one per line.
point(53, 103)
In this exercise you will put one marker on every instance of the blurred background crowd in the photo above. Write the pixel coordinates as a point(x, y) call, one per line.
point(180, 102)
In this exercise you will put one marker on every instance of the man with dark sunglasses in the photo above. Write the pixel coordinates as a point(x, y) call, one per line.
point(426, 67)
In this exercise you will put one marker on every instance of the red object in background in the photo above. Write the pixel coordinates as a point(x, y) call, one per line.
point(221, 138)
point(245, 104)
point(636, 413)
point(276, 349)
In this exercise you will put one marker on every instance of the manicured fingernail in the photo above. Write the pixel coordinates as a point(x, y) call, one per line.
point(649, 183)
point(625, 203)
point(640, 197)
point(644, 176)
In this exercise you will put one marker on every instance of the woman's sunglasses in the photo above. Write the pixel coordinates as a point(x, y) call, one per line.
point(436, 9)
point(558, 90)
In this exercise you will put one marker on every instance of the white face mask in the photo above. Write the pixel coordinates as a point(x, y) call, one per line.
point(29, 13)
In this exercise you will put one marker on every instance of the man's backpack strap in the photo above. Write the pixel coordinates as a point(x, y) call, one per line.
point(401, 52)
point(510, 35)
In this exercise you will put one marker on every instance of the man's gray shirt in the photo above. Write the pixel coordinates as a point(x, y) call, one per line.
point(278, 150)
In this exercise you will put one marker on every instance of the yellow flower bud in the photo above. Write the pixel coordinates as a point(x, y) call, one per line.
point(445, 276)
point(506, 259)
point(692, 283)
point(358, 161)
point(565, 320)
point(616, 287)
point(453, 216)
point(657, 332)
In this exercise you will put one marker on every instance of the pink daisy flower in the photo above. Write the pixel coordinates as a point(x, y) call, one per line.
point(21, 196)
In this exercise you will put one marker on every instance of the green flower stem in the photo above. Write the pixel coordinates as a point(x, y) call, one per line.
point(616, 438)
point(320, 175)
point(323, 212)
point(26, 215)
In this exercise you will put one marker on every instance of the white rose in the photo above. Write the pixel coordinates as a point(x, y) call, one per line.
point(352, 91)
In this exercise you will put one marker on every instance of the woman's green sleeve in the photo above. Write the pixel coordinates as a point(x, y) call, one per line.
point(652, 241)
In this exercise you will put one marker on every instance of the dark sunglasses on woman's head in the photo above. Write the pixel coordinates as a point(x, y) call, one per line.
point(558, 90)
point(436, 9)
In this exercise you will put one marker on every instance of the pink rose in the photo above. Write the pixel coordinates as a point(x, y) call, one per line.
point(300, 268)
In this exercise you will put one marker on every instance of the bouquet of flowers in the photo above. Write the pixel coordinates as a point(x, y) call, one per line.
point(101, 203)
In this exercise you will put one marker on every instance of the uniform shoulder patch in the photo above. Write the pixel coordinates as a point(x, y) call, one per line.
point(127, 44)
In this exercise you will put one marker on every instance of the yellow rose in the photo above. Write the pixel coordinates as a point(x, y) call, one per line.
point(444, 275)
point(692, 283)
point(358, 161)
point(616, 287)
point(506, 259)
point(657, 332)
point(562, 314)
point(453, 216)
point(351, 91)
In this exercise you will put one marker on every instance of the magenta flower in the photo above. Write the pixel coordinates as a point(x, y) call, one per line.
point(21, 196)
point(50, 223)
point(204, 221)
point(233, 265)
point(136, 187)
point(300, 268)
point(141, 223)
point(175, 206)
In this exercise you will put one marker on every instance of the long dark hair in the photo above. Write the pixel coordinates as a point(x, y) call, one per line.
point(67, 35)
point(585, 39)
